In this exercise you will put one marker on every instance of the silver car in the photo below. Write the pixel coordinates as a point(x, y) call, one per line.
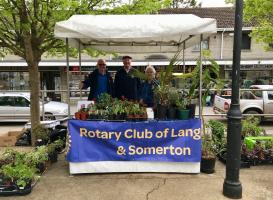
point(15, 106)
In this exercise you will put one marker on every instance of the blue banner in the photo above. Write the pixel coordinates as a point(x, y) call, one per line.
point(164, 141)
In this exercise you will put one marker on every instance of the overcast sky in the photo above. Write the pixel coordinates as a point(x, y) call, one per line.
point(213, 3)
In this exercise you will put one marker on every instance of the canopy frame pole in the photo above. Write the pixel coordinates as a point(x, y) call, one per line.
point(80, 66)
point(200, 78)
point(67, 76)
point(184, 66)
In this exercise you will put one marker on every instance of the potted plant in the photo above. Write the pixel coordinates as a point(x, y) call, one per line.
point(42, 134)
point(208, 157)
point(250, 127)
point(161, 97)
point(20, 174)
point(182, 111)
point(38, 158)
point(173, 97)
point(53, 149)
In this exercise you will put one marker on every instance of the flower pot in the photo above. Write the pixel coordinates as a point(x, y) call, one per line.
point(208, 165)
point(41, 167)
point(84, 115)
point(53, 157)
point(191, 108)
point(183, 114)
point(161, 112)
point(171, 114)
point(78, 115)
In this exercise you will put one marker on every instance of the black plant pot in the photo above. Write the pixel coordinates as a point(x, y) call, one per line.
point(208, 165)
point(161, 112)
point(41, 167)
point(192, 108)
point(171, 114)
point(53, 157)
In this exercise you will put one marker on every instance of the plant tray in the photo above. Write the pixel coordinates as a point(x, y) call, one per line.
point(250, 141)
point(14, 190)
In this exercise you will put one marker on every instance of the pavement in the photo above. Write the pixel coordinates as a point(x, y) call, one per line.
point(56, 183)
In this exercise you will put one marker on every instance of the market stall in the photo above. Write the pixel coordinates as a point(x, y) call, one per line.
point(144, 146)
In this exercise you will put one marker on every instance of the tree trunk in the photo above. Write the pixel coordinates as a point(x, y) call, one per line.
point(32, 58)
point(34, 98)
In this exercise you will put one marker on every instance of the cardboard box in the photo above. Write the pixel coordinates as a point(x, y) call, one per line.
point(7, 141)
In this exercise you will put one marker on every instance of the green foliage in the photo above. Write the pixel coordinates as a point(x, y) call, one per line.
point(36, 157)
point(213, 140)
point(250, 127)
point(41, 132)
point(52, 147)
point(210, 76)
point(19, 173)
point(261, 12)
point(217, 134)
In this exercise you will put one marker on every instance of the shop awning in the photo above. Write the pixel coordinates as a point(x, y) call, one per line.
point(135, 33)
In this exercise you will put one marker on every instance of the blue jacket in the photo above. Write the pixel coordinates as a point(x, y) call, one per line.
point(92, 82)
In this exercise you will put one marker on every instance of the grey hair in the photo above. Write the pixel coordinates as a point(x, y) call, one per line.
point(150, 67)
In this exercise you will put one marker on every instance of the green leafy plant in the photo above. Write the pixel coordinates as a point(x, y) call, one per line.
point(36, 157)
point(41, 132)
point(218, 135)
point(250, 127)
point(20, 173)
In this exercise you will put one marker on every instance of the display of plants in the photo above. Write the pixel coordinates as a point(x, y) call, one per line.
point(19, 169)
point(42, 134)
point(250, 127)
point(53, 149)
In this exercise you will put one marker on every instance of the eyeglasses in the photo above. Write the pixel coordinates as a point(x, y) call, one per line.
point(101, 64)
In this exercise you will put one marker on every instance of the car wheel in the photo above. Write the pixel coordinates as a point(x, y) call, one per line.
point(49, 116)
point(254, 112)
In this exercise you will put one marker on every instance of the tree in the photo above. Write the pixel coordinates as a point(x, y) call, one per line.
point(261, 12)
point(27, 30)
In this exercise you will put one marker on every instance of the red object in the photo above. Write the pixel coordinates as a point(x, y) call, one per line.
point(123, 98)
point(226, 105)
point(78, 115)
point(94, 99)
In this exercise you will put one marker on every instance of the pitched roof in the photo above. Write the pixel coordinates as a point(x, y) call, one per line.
point(223, 15)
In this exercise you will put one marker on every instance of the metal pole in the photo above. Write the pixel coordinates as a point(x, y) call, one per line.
point(200, 78)
point(80, 66)
point(184, 66)
point(67, 76)
point(43, 106)
point(232, 187)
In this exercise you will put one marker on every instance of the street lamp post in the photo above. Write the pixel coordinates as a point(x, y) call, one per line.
point(232, 187)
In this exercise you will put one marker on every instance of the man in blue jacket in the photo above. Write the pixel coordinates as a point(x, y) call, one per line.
point(99, 81)
point(126, 86)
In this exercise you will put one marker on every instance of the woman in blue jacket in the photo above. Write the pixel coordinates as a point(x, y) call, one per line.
point(147, 94)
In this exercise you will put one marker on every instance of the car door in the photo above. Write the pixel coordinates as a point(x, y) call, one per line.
point(21, 108)
point(268, 103)
point(6, 108)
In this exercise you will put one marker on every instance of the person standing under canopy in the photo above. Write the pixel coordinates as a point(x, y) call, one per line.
point(126, 86)
point(99, 81)
point(147, 93)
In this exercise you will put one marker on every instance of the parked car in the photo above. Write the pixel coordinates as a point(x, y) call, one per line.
point(251, 102)
point(15, 106)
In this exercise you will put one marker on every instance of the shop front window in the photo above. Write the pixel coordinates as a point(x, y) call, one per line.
point(14, 81)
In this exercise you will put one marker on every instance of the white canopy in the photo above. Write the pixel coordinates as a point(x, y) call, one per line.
point(135, 33)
